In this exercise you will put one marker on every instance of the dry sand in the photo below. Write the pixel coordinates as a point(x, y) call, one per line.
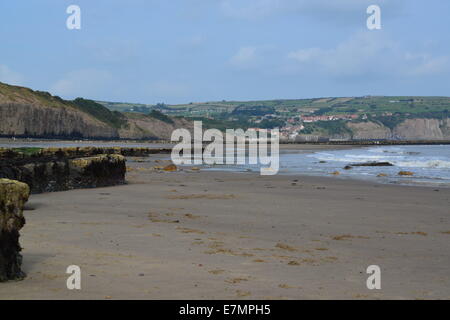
point(215, 235)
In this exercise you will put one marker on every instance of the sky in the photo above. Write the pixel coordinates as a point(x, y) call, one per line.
point(181, 51)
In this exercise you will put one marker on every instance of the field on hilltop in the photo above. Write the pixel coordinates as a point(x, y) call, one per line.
point(324, 106)
point(357, 105)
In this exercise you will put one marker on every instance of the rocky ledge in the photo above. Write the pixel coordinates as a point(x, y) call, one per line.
point(50, 170)
point(43, 175)
point(372, 164)
point(17, 155)
point(13, 195)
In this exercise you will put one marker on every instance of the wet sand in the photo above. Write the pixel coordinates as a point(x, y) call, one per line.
point(215, 235)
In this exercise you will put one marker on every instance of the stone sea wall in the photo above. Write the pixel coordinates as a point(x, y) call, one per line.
point(13, 196)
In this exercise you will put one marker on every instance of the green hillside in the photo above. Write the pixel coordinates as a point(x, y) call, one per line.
point(291, 107)
point(113, 118)
point(388, 111)
point(354, 105)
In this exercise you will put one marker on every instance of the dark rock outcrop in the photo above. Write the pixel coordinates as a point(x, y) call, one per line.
point(372, 164)
point(13, 195)
point(59, 169)
point(62, 173)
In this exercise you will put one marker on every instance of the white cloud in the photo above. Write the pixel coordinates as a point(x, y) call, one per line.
point(367, 54)
point(245, 58)
point(9, 76)
point(426, 64)
point(305, 55)
point(88, 83)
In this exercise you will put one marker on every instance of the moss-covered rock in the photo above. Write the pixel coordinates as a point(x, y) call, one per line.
point(60, 172)
point(99, 171)
point(13, 195)
point(59, 169)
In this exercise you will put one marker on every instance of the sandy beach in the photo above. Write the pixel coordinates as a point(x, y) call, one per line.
point(216, 235)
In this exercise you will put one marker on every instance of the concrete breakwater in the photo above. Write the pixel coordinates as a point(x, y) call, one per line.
point(59, 169)
point(13, 196)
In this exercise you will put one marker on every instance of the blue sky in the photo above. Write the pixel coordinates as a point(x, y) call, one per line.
point(182, 51)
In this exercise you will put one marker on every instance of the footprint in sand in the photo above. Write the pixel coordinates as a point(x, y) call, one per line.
point(242, 294)
point(216, 272)
point(235, 280)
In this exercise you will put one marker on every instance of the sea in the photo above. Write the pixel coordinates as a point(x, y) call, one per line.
point(430, 164)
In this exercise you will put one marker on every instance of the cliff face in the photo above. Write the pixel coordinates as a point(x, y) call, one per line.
point(43, 121)
point(410, 129)
point(445, 127)
point(423, 129)
point(369, 130)
point(148, 128)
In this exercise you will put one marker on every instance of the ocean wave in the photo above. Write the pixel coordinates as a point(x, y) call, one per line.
point(356, 158)
point(424, 164)
point(391, 150)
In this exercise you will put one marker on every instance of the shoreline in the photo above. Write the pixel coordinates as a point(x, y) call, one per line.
point(292, 149)
point(283, 144)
